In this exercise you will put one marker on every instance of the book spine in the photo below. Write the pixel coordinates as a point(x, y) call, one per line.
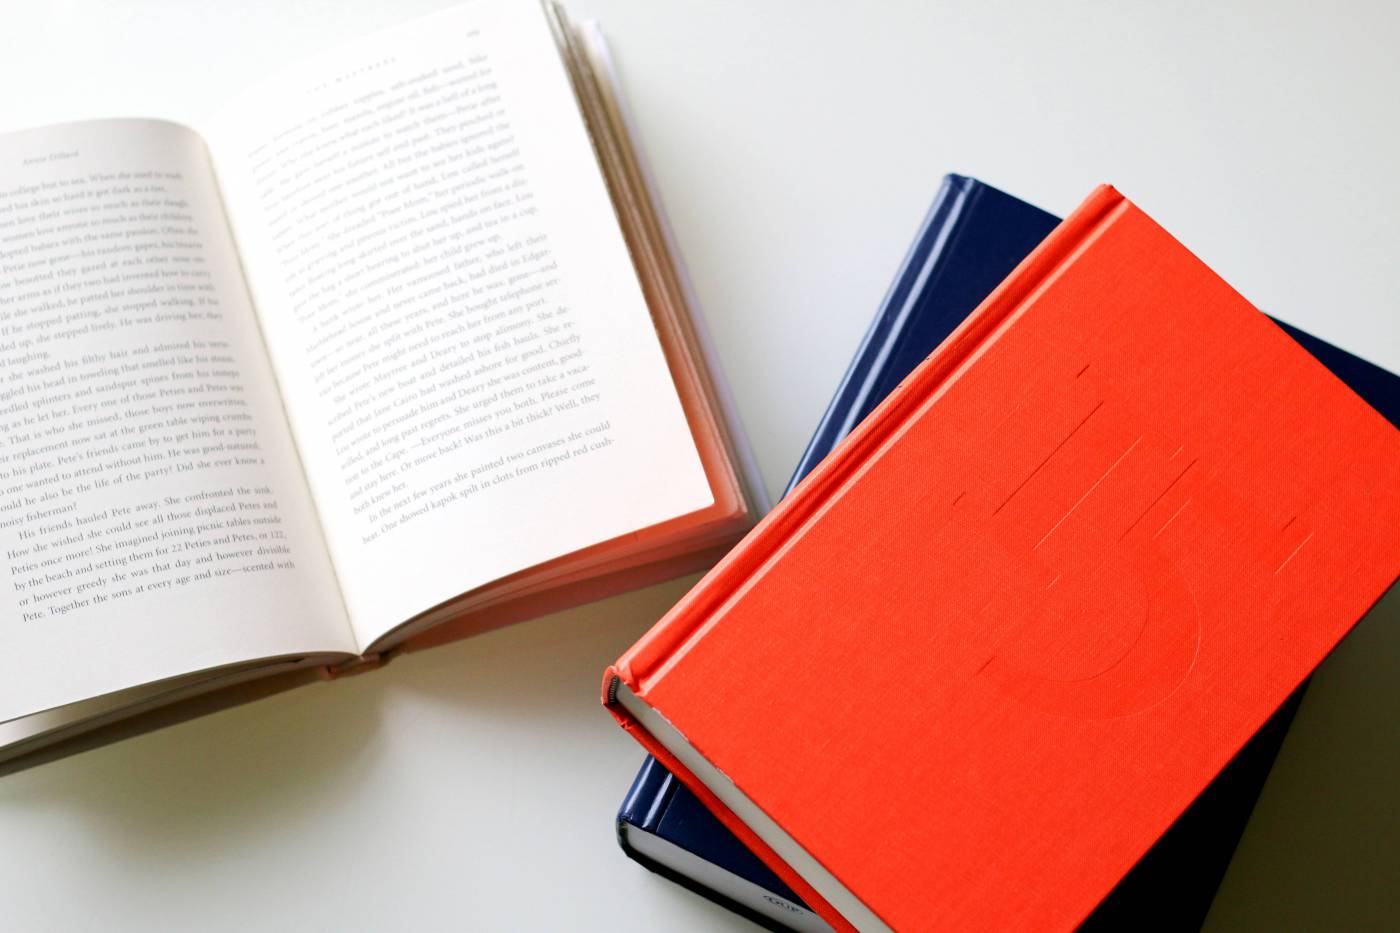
point(647, 799)
point(726, 816)
point(659, 649)
point(920, 266)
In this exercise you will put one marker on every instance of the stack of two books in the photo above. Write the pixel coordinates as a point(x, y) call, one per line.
point(1022, 649)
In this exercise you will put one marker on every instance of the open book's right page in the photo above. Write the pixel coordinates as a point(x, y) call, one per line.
point(467, 360)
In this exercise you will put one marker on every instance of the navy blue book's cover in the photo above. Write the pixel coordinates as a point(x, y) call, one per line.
point(972, 237)
point(660, 805)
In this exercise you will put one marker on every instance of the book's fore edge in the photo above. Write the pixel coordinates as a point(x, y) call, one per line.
point(672, 269)
point(596, 48)
point(888, 325)
point(665, 642)
point(654, 257)
point(611, 683)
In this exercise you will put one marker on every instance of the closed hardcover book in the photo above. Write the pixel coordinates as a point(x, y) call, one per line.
point(1063, 573)
point(972, 237)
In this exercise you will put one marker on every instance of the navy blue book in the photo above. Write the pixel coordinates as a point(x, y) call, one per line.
point(972, 237)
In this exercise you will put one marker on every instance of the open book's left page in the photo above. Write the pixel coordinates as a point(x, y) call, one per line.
point(154, 517)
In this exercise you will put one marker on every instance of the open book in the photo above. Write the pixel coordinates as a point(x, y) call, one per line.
point(392, 351)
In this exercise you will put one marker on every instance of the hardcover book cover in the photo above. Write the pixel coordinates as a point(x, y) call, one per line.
point(972, 237)
point(1064, 573)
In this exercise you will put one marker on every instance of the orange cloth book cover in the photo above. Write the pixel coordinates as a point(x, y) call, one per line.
point(969, 671)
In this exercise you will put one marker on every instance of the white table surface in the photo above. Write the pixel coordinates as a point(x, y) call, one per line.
point(797, 145)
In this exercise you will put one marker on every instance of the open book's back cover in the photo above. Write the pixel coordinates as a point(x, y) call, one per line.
point(1063, 574)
